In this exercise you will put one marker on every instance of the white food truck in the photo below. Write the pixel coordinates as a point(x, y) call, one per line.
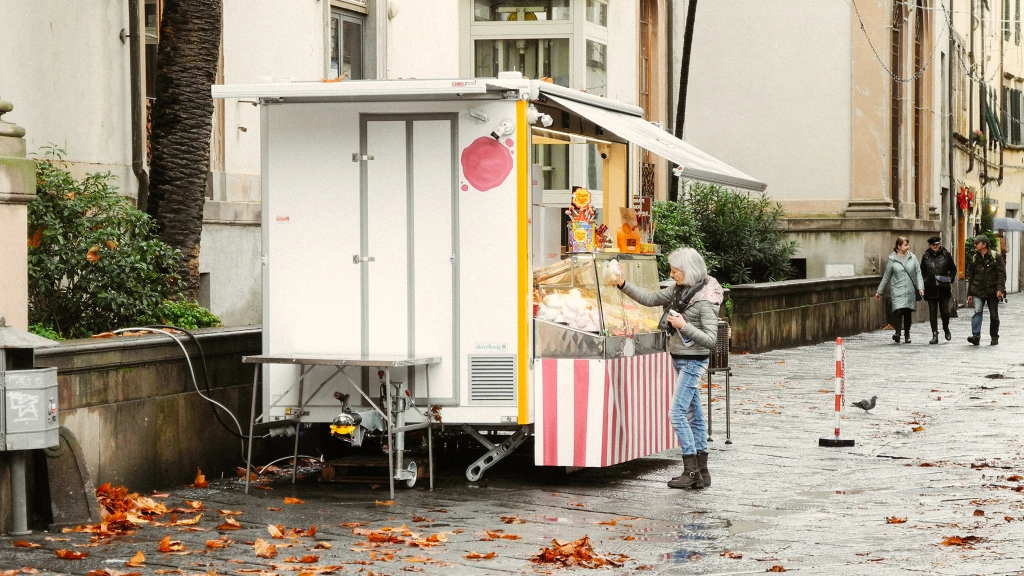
point(407, 219)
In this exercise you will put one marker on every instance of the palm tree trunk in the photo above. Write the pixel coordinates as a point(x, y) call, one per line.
point(684, 80)
point(190, 35)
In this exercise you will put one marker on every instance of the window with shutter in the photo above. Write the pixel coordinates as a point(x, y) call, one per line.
point(1015, 116)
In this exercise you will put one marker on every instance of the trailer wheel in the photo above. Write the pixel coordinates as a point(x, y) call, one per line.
point(414, 470)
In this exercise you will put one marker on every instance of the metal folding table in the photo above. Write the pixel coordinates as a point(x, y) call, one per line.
point(340, 362)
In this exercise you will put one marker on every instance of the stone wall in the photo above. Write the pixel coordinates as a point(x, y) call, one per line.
point(798, 312)
point(132, 404)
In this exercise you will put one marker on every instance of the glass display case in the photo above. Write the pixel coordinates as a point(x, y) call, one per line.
point(579, 315)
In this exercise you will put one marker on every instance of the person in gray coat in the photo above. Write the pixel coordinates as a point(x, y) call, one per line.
point(693, 305)
point(903, 274)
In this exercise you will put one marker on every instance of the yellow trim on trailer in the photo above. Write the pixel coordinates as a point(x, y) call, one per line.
point(523, 243)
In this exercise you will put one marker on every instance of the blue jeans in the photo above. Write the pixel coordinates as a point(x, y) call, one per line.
point(993, 316)
point(686, 415)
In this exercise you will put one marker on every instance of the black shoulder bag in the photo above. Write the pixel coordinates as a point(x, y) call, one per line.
point(663, 323)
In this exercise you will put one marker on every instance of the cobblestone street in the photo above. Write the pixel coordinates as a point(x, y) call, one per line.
point(941, 450)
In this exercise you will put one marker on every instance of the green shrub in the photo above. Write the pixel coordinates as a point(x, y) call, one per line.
point(95, 261)
point(988, 214)
point(185, 314)
point(677, 227)
point(45, 332)
point(740, 234)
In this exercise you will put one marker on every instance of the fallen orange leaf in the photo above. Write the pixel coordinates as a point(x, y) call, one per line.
point(776, 568)
point(168, 545)
point(895, 520)
point(70, 554)
point(479, 556)
point(275, 531)
point(229, 524)
point(512, 520)
point(24, 544)
point(264, 549)
point(733, 555)
point(290, 500)
point(576, 553)
point(962, 541)
point(221, 542)
point(200, 480)
point(136, 561)
point(385, 502)
point(230, 512)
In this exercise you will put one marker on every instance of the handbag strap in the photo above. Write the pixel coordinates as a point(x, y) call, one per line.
point(908, 275)
point(694, 290)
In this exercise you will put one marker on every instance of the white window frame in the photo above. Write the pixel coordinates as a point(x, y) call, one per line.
point(577, 29)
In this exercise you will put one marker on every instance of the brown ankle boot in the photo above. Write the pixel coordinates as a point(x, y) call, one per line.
point(690, 478)
point(702, 467)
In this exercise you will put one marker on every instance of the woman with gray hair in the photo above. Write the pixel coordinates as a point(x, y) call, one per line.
point(693, 305)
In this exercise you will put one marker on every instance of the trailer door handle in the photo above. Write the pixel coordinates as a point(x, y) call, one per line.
point(356, 259)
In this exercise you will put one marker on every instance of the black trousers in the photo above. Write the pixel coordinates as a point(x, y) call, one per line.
point(941, 306)
point(902, 316)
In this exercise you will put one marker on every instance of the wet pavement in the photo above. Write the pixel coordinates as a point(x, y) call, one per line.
point(941, 450)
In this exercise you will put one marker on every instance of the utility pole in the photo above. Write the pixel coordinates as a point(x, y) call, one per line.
point(949, 212)
point(684, 80)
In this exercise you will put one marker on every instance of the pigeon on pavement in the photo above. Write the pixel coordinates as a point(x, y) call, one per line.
point(866, 405)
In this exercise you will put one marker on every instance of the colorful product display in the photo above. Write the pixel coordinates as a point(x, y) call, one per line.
point(582, 229)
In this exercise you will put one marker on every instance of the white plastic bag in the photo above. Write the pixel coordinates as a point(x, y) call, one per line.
point(611, 273)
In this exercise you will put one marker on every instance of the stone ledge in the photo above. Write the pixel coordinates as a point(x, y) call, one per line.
point(236, 213)
point(94, 354)
point(901, 225)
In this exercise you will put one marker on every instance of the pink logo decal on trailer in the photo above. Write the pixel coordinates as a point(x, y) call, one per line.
point(486, 163)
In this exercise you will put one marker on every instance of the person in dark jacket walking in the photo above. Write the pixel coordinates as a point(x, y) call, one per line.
point(986, 284)
point(939, 270)
point(904, 273)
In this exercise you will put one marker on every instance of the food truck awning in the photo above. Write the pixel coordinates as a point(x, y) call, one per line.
point(695, 165)
point(623, 120)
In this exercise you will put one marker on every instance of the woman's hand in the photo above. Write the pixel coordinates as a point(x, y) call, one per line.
point(877, 296)
point(677, 322)
point(921, 292)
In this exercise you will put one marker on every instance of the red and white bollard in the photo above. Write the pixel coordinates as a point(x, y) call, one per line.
point(838, 441)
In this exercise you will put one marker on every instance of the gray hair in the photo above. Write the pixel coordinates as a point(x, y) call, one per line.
point(691, 263)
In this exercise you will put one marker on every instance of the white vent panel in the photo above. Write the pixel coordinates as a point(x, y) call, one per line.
point(492, 379)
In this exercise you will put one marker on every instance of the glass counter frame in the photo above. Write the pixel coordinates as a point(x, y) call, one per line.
point(612, 340)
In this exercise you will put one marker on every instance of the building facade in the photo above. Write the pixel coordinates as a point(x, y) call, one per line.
point(869, 120)
point(73, 88)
